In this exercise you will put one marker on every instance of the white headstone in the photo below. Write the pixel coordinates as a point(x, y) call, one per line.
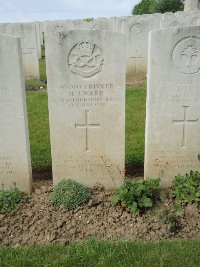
point(191, 5)
point(3, 28)
point(38, 39)
point(99, 24)
point(136, 29)
point(27, 33)
point(79, 24)
point(86, 89)
point(174, 22)
point(15, 166)
point(41, 27)
point(193, 18)
point(181, 19)
point(58, 26)
point(173, 104)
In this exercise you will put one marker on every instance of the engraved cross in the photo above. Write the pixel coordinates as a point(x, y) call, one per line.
point(86, 126)
point(185, 122)
point(136, 58)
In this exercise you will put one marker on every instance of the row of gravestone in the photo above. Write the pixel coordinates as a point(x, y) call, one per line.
point(135, 28)
point(86, 99)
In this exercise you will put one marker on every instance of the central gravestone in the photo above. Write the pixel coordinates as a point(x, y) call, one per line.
point(173, 104)
point(86, 88)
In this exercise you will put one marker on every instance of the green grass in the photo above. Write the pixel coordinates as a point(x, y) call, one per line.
point(35, 85)
point(95, 253)
point(39, 128)
point(43, 76)
point(135, 125)
point(43, 52)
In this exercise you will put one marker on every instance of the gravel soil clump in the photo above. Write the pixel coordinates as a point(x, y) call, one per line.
point(39, 222)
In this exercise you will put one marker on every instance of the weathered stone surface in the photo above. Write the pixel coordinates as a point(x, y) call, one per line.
point(99, 24)
point(86, 87)
point(192, 18)
point(42, 30)
point(3, 28)
point(38, 38)
point(191, 5)
point(173, 101)
point(28, 34)
point(58, 26)
point(15, 167)
point(171, 22)
point(79, 24)
point(180, 19)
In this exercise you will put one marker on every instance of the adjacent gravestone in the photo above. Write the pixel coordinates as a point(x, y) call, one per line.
point(174, 22)
point(15, 166)
point(58, 26)
point(191, 5)
point(181, 19)
point(38, 39)
point(86, 90)
point(41, 27)
point(191, 18)
point(136, 29)
point(173, 114)
point(3, 28)
point(28, 35)
point(99, 24)
point(79, 24)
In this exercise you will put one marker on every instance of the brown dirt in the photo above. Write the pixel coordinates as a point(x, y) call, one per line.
point(38, 222)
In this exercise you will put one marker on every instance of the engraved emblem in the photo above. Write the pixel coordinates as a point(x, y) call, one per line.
point(186, 55)
point(85, 59)
point(174, 24)
point(136, 29)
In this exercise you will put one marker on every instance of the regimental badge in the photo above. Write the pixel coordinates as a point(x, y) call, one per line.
point(186, 55)
point(85, 59)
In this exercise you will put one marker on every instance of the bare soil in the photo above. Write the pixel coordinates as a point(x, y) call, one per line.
point(38, 222)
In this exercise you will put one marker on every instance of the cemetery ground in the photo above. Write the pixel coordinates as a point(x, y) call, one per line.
point(127, 239)
point(39, 223)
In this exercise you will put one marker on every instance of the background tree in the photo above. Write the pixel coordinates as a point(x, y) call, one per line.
point(157, 6)
point(144, 7)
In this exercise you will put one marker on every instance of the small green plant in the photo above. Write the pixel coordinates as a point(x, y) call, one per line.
point(186, 189)
point(88, 19)
point(171, 217)
point(34, 85)
point(10, 200)
point(138, 195)
point(70, 194)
